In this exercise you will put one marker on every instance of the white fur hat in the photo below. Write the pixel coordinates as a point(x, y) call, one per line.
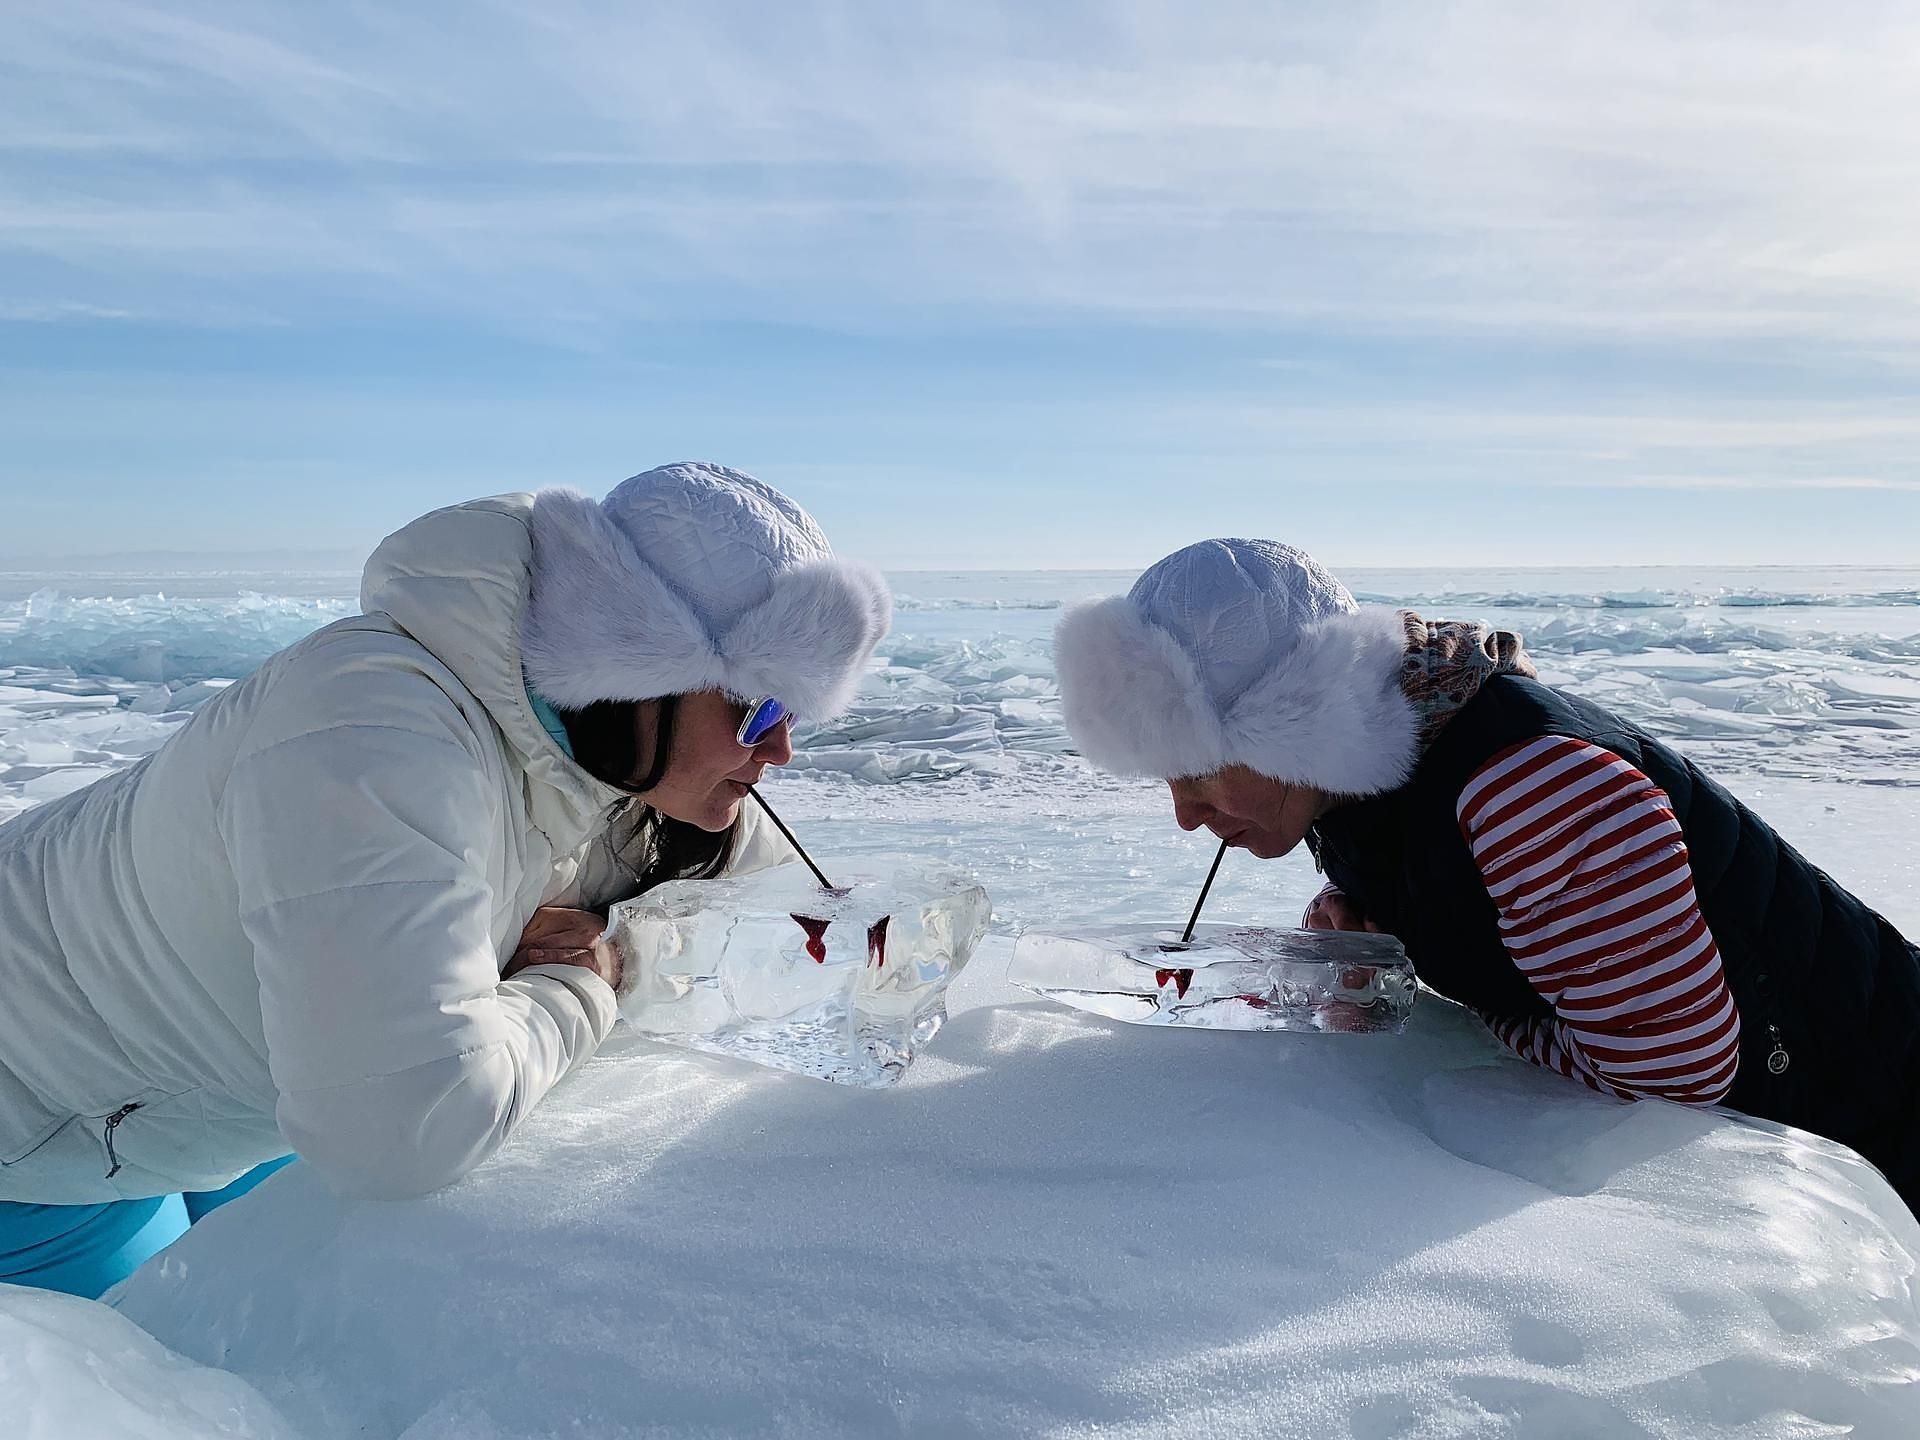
point(1239, 652)
point(695, 577)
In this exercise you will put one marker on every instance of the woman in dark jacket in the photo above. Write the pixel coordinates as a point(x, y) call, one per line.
point(1605, 907)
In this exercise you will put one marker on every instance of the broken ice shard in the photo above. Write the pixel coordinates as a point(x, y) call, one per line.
point(844, 984)
point(1227, 977)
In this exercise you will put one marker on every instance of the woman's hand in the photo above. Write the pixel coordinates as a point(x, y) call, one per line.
point(1332, 910)
point(558, 936)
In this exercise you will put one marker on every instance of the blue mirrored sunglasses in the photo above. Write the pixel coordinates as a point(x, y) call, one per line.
point(763, 716)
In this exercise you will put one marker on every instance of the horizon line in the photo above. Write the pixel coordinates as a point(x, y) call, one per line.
point(74, 564)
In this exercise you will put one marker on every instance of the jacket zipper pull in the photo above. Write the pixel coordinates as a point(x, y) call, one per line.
point(113, 1124)
point(1777, 1058)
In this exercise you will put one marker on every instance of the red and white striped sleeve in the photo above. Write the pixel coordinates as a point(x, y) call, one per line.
point(1587, 865)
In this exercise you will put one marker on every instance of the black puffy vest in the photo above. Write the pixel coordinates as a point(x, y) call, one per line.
point(1828, 991)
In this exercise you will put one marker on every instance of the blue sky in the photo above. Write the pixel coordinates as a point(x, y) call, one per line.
point(983, 285)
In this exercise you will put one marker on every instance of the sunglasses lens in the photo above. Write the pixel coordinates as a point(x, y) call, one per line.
point(762, 720)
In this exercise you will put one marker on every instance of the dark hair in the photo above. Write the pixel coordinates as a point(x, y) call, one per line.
point(652, 847)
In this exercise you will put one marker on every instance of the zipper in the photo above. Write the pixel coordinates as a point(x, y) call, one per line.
point(1777, 1058)
point(113, 1124)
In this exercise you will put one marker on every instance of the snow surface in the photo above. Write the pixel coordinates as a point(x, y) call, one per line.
point(73, 1369)
point(1060, 1225)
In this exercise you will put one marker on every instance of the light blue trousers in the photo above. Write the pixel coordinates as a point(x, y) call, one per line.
point(87, 1249)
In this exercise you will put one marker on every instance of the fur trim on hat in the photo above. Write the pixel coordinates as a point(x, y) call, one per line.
point(603, 624)
point(1330, 714)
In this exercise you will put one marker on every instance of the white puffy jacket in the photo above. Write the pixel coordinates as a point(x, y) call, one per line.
point(286, 928)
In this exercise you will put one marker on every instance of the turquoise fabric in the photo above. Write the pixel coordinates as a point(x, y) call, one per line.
point(86, 1250)
point(550, 721)
point(200, 1203)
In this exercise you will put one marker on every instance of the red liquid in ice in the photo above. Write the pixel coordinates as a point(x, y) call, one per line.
point(816, 936)
point(1181, 980)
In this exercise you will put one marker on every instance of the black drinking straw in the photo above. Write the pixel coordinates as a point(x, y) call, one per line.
point(1193, 919)
point(780, 825)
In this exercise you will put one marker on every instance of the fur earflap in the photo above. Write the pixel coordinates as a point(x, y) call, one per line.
point(1132, 699)
point(1329, 714)
point(603, 624)
point(809, 640)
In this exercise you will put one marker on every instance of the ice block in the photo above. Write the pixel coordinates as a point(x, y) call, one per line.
point(1228, 977)
point(845, 984)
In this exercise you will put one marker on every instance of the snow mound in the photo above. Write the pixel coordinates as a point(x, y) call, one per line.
point(1060, 1225)
point(74, 1370)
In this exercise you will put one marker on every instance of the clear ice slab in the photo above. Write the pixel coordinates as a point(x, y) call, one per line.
point(845, 984)
point(1228, 977)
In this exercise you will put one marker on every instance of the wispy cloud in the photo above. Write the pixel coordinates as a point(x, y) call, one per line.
point(1638, 169)
point(52, 312)
point(1692, 443)
point(1762, 482)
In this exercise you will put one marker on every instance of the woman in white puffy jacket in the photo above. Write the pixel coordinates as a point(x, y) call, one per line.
point(350, 909)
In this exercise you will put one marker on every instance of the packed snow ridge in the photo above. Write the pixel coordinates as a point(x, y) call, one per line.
point(1056, 1224)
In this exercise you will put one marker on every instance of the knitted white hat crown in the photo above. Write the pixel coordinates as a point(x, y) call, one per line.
point(695, 577)
point(1239, 652)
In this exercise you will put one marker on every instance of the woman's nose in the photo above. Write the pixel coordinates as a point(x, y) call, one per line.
point(1190, 814)
point(776, 746)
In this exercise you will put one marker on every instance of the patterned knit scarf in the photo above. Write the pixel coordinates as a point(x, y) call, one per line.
point(1447, 663)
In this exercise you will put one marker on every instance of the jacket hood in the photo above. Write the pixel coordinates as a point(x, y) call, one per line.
point(458, 580)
